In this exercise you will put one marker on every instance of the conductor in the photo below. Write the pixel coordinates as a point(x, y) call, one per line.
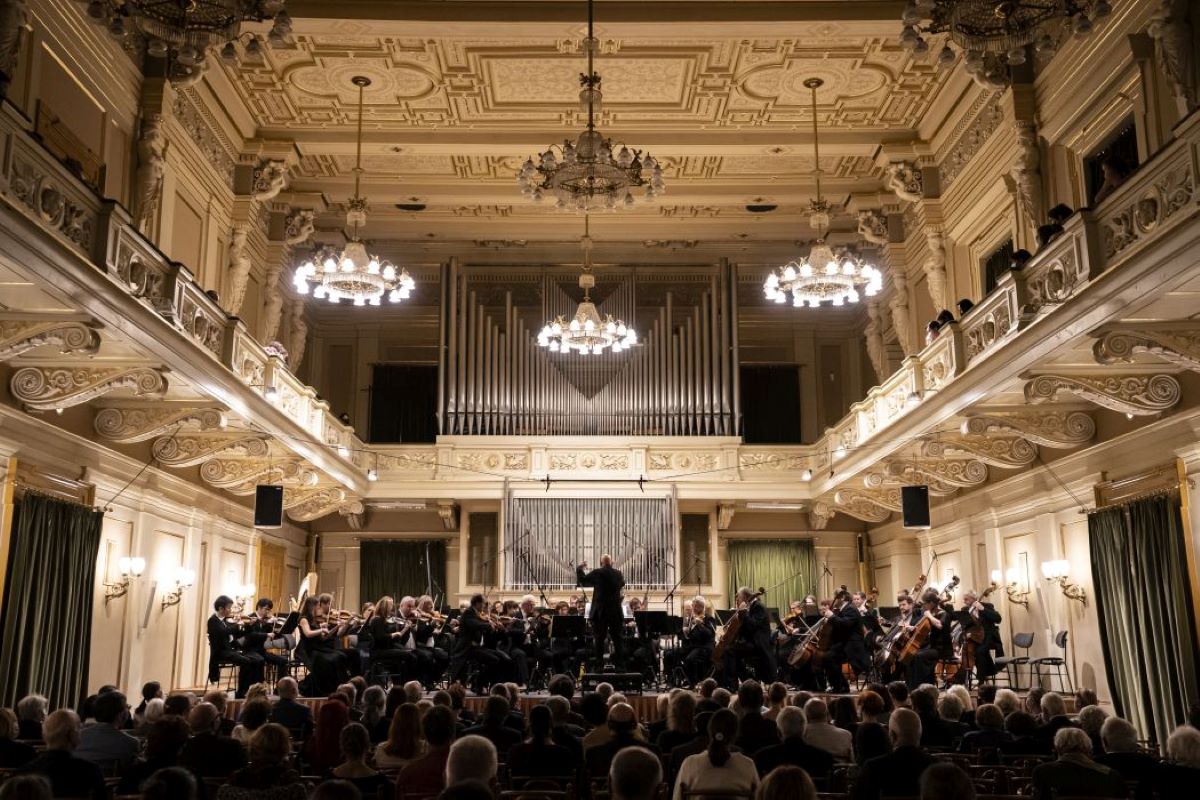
point(606, 615)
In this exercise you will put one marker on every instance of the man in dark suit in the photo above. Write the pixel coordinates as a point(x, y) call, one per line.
point(68, 776)
point(606, 616)
point(897, 774)
point(793, 751)
point(1121, 752)
point(223, 649)
point(980, 619)
point(494, 725)
point(846, 643)
point(473, 627)
point(294, 716)
point(1074, 773)
point(754, 731)
point(622, 721)
point(753, 640)
point(208, 754)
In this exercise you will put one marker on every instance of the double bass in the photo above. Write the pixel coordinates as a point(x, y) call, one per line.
point(889, 646)
point(817, 641)
point(920, 632)
point(730, 634)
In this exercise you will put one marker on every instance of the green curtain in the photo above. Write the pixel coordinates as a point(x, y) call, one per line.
point(1143, 598)
point(790, 563)
point(397, 568)
point(47, 626)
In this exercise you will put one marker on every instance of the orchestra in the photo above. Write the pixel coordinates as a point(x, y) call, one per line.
point(817, 645)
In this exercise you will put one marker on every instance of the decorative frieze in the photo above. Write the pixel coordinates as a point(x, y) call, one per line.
point(1160, 195)
point(866, 504)
point(325, 502)
point(227, 473)
point(998, 450)
point(502, 461)
point(56, 388)
point(681, 461)
point(1128, 394)
point(136, 424)
point(1177, 343)
point(962, 473)
point(59, 209)
point(1057, 429)
point(20, 335)
point(187, 451)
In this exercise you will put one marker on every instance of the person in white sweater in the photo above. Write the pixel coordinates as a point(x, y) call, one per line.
point(718, 769)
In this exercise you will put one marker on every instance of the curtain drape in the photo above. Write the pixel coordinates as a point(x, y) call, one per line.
point(397, 568)
point(790, 563)
point(46, 632)
point(1143, 599)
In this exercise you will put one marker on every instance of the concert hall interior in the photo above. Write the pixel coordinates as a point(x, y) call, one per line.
point(343, 305)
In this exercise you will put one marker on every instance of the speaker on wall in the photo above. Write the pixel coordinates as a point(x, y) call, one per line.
point(268, 506)
point(914, 505)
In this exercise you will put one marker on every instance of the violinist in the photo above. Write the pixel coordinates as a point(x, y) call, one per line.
point(847, 643)
point(431, 659)
point(392, 640)
point(224, 649)
point(259, 631)
point(511, 638)
point(699, 636)
point(642, 649)
point(533, 639)
point(753, 643)
point(566, 652)
point(345, 625)
point(319, 647)
point(939, 646)
point(980, 622)
point(474, 626)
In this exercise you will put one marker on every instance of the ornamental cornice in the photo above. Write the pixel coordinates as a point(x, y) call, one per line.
point(866, 504)
point(1128, 394)
point(54, 388)
point(1056, 429)
point(998, 450)
point(320, 505)
point(230, 473)
point(187, 451)
point(19, 336)
point(295, 497)
point(1176, 343)
point(136, 424)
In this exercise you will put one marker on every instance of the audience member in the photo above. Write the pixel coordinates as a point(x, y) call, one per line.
point(472, 758)
point(171, 783)
point(1074, 773)
point(178, 704)
point(754, 731)
point(777, 700)
point(1018, 260)
point(787, 783)
point(932, 330)
point(25, 787)
point(218, 700)
point(426, 774)
point(871, 708)
point(964, 305)
point(288, 712)
point(1114, 172)
point(819, 733)
point(268, 767)
point(207, 753)
point(793, 750)
point(321, 750)
point(935, 731)
point(843, 713)
point(1091, 720)
point(1121, 752)
point(164, 742)
point(1025, 741)
point(898, 691)
point(718, 769)
point(404, 742)
point(898, 773)
point(635, 774)
point(494, 726)
point(68, 776)
point(950, 711)
point(1007, 701)
point(12, 752)
point(31, 713)
point(563, 731)
point(355, 745)
point(539, 755)
point(150, 691)
point(871, 741)
point(255, 714)
point(681, 722)
point(622, 724)
point(1180, 774)
point(105, 744)
point(946, 782)
point(990, 733)
point(1054, 717)
point(155, 709)
point(374, 704)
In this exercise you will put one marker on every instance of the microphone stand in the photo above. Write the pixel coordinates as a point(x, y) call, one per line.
point(503, 550)
point(670, 598)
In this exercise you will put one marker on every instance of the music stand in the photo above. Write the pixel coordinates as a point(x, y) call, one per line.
point(651, 623)
point(725, 614)
point(290, 624)
point(567, 627)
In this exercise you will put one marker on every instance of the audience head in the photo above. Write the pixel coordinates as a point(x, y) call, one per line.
point(1072, 741)
point(404, 733)
point(61, 730)
point(721, 697)
point(217, 698)
point(540, 723)
point(1085, 698)
point(881, 691)
point(287, 688)
point(1033, 700)
point(870, 740)
point(270, 744)
point(635, 774)
point(904, 728)
point(1114, 169)
point(777, 694)
point(750, 696)
point(204, 718)
point(786, 783)
point(178, 704)
point(1019, 259)
point(1052, 705)
point(681, 712)
point(374, 700)
point(816, 710)
point(707, 687)
point(949, 708)
point(898, 690)
point(924, 699)
point(843, 712)
point(622, 720)
point(560, 708)
point(1118, 736)
point(467, 790)
point(336, 789)
point(989, 717)
point(870, 705)
point(605, 690)
point(10, 728)
point(721, 730)
point(1008, 701)
point(945, 317)
point(946, 782)
point(1091, 719)
point(32, 708)
point(964, 697)
point(800, 699)
point(355, 742)
point(437, 726)
point(1183, 747)
point(166, 738)
point(151, 690)
point(1060, 213)
point(1020, 723)
point(562, 686)
point(472, 758)
point(495, 710)
point(172, 783)
point(964, 305)
point(413, 691)
point(986, 693)
point(791, 723)
point(25, 787)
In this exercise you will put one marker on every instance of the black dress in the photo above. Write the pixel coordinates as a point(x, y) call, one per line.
point(326, 663)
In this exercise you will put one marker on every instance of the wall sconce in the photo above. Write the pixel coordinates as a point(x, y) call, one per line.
point(1056, 572)
point(244, 598)
point(130, 568)
point(183, 578)
point(1011, 580)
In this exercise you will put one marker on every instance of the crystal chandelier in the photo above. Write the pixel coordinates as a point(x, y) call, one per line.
point(586, 332)
point(353, 274)
point(993, 34)
point(591, 173)
point(182, 31)
point(822, 276)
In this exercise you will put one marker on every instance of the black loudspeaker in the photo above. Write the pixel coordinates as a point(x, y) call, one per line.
point(914, 504)
point(268, 506)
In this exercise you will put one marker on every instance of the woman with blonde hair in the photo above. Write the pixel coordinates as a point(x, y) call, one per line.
point(390, 639)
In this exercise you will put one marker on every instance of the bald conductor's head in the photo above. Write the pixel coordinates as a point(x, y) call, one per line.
point(606, 560)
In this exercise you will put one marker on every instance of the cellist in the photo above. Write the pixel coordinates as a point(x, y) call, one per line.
point(902, 626)
point(753, 641)
point(848, 644)
point(938, 646)
point(980, 623)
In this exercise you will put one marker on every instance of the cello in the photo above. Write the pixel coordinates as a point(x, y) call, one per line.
point(974, 635)
point(816, 643)
point(920, 632)
point(730, 633)
point(890, 646)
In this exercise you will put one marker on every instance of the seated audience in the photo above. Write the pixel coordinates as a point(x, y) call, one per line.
point(164, 743)
point(964, 305)
point(179, 704)
point(945, 317)
point(935, 731)
point(793, 750)
point(374, 703)
point(1091, 720)
point(31, 713)
point(25, 787)
point(269, 766)
point(635, 774)
point(718, 769)
point(293, 715)
point(255, 714)
point(564, 732)
point(12, 752)
point(966, 704)
point(472, 758)
point(1054, 717)
point(321, 751)
point(355, 744)
point(426, 774)
point(819, 733)
point(539, 755)
point(494, 726)
point(1007, 701)
point(1085, 698)
point(871, 740)
point(754, 731)
point(950, 711)
point(1025, 741)
point(172, 783)
point(207, 753)
point(898, 691)
point(932, 330)
point(1179, 775)
point(155, 709)
point(946, 782)
point(1074, 773)
point(622, 724)
point(1114, 171)
point(898, 773)
point(1121, 752)
point(681, 722)
point(777, 700)
point(990, 732)
point(843, 714)
point(787, 783)
point(68, 776)
point(219, 698)
point(150, 691)
point(871, 707)
point(104, 743)
point(404, 740)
